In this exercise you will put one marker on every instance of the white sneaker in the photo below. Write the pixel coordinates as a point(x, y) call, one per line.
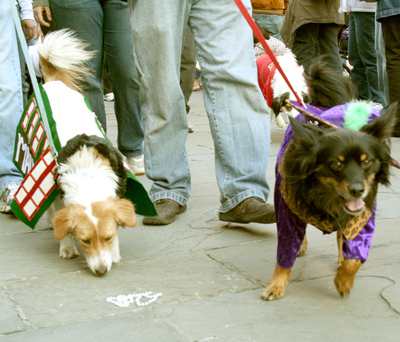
point(7, 196)
point(109, 97)
point(136, 164)
point(376, 105)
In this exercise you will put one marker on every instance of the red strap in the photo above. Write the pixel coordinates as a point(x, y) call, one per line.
point(267, 49)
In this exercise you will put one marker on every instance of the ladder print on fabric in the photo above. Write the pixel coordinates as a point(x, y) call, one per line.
point(37, 185)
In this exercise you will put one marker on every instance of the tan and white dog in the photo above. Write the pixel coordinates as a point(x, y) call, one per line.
point(92, 177)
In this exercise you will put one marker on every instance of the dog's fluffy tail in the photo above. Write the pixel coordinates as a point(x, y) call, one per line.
point(63, 58)
point(327, 88)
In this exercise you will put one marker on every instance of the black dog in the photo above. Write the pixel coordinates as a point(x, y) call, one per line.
point(328, 176)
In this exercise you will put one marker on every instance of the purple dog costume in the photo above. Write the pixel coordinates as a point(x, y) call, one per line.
point(292, 228)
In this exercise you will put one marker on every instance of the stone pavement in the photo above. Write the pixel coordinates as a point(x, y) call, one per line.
point(210, 275)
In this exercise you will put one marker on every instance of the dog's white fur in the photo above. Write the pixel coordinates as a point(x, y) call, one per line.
point(90, 210)
point(295, 75)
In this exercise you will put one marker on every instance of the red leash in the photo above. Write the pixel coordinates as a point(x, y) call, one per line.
point(264, 44)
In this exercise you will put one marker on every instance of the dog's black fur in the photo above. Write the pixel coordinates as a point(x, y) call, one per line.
point(104, 148)
point(326, 167)
point(326, 87)
point(313, 155)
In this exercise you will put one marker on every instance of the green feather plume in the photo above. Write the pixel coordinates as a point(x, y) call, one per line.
point(356, 115)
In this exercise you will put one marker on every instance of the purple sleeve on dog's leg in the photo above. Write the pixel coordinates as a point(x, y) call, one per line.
point(358, 248)
point(291, 229)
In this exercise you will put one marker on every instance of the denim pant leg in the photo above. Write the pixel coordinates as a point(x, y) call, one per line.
point(271, 22)
point(10, 95)
point(239, 119)
point(158, 31)
point(118, 46)
point(328, 45)
point(237, 112)
point(362, 55)
point(85, 17)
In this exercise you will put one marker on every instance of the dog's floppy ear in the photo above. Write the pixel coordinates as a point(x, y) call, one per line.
point(65, 220)
point(304, 133)
point(306, 141)
point(382, 127)
point(124, 212)
point(279, 102)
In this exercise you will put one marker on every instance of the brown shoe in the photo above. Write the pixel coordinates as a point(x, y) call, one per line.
point(252, 209)
point(167, 209)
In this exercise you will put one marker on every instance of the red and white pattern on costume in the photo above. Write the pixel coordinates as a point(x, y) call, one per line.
point(28, 114)
point(266, 71)
point(37, 185)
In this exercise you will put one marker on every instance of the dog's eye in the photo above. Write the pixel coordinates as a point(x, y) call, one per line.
point(366, 163)
point(86, 242)
point(108, 239)
point(337, 165)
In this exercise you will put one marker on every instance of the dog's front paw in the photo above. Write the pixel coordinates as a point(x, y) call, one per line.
point(277, 285)
point(273, 291)
point(68, 248)
point(69, 252)
point(346, 273)
point(280, 121)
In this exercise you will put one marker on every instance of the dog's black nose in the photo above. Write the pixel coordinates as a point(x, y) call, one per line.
point(101, 270)
point(356, 190)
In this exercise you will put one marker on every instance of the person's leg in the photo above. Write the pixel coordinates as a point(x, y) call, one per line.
point(365, 33)
point(329, 46)
point(118, 47)
point(188, 66)
point(304, 44)
point(237, 112)
point(358, 72)
point(271, 22)
point(381, 65)
point(391, 36)
point(158, 58)
point(85, 17)
point(11, 103)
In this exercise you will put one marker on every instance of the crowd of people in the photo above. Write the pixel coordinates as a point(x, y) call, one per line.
point(151, 49)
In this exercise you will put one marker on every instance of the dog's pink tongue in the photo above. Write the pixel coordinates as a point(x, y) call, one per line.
point(355, 205)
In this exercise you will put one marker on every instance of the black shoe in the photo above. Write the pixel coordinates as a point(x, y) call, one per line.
point(252, 209)
point(167, 209)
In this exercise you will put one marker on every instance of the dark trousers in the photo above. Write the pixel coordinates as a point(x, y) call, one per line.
point(362, 55)
point(391, 36)
point(312, 40)
point(106, 27)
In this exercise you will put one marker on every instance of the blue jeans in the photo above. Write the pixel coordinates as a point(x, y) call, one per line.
point(362, 55)
point(271, 22)
point(237, 112)
point(11, 103)
point(105, 25)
